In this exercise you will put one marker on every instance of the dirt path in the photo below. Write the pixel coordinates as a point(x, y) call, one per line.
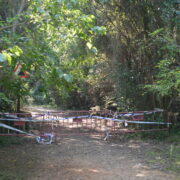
point(77, 158)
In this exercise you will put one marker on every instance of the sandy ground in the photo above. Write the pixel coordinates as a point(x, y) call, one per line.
point(78, 158)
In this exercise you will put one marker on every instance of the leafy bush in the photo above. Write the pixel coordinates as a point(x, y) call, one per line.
point(5, 103)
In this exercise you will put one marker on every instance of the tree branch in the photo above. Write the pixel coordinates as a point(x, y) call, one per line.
point(6, 27)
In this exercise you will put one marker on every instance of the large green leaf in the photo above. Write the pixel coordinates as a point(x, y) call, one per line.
point(7, 57)
point(16, 50)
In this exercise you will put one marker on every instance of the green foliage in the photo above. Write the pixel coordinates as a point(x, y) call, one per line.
point(8, 141)
point(167, 79)
point(83, 53)
point(47, 46)
point(11, 53)
point(156, 32)
point(16, 50)
point(5, 103)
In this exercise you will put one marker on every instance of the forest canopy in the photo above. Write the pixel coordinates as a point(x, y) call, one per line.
point(83, 53)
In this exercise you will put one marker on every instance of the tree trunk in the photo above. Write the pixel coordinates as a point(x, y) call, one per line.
point(18, 104)
point(19, 11)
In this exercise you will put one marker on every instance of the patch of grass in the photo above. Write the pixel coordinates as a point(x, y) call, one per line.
point(166, 154)
point(168, 157)
point(9, 140)
point(162, 136)
point(151, 153)
point(173, 138)
point(156, 136)
point(174, 158)
point(8, 176)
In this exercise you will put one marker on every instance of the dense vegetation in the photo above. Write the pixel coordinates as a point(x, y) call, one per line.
point(81, 53)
